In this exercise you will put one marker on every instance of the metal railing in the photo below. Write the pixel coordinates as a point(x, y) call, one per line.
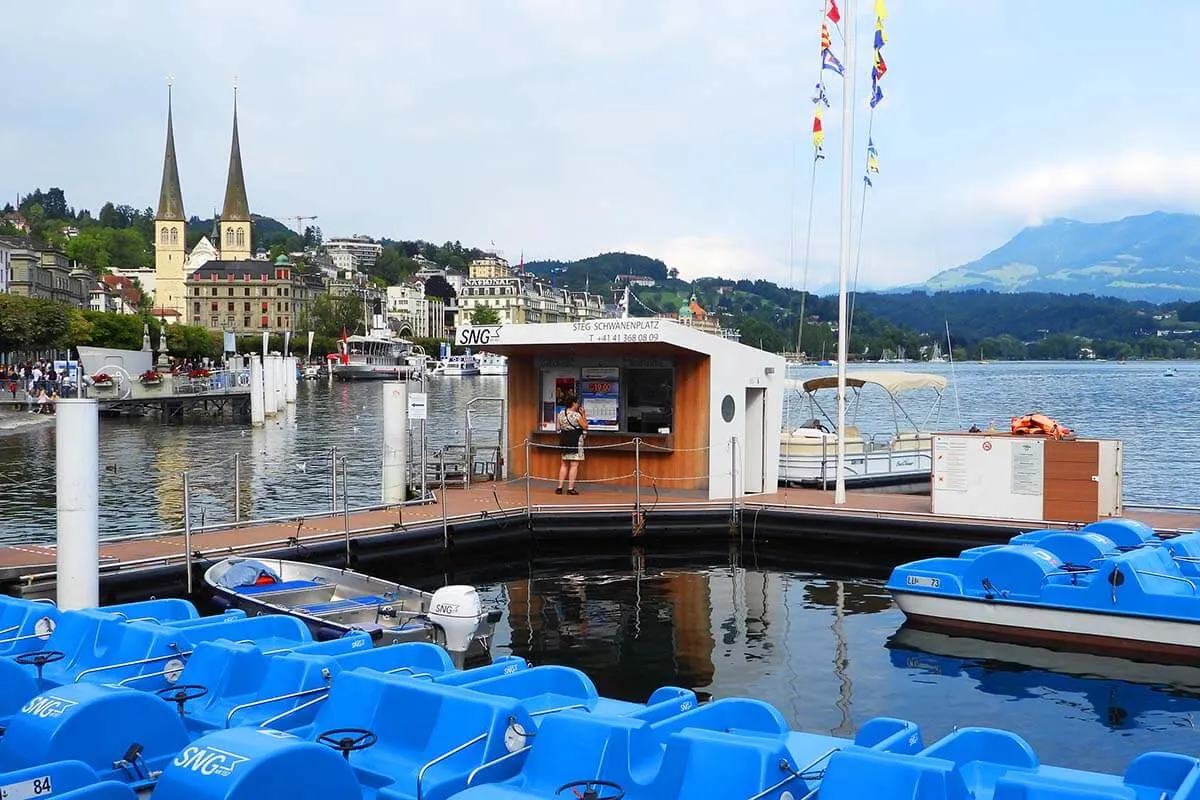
point(267, 700)
point(439, 759)
point(487, 764)
point(119, 665)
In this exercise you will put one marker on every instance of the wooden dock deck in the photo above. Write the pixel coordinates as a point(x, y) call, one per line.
point(28, 564)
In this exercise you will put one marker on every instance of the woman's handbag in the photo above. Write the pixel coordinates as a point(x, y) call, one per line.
point(568, 438)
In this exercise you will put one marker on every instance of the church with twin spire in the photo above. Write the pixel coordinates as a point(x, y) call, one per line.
point(219, 284)
point(173, 264)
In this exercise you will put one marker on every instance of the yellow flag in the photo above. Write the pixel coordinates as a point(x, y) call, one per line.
point(880, 10)
point(818, 130)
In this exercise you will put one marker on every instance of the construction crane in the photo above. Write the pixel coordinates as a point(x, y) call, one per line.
point(300, 221)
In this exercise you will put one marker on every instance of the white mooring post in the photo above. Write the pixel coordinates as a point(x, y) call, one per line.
point(257, 410)
point(280, 384)
point(77, 465)
point(289, 383)
point(270, 402)
point(395, 441)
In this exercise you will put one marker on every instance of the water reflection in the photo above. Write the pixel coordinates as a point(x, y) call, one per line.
point(285, 465)
point(1121, 694)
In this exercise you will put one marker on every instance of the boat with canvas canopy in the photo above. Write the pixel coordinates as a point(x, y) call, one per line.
point(898, 461)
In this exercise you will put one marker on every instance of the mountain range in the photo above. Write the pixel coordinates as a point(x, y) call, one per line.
point(1153, 257)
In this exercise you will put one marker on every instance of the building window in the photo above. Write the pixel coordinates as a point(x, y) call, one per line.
point(196, 310)
point(229, 237)
point(162, 235)
point(174, 236)
point(215, 306)
point(246, 308)
point(231, 289)
point(247, 291)
point(279, 322)
point(287, 322)
point(230, 307)
point(241, 237)
point(264, 307)
point(245, 322)
point(266, 322)
point(214, 322)
point(214, 291)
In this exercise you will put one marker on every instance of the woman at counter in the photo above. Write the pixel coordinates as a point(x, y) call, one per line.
point(571, 423)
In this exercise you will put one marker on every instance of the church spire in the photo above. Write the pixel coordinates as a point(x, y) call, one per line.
point(170, 196)
point(237, 208)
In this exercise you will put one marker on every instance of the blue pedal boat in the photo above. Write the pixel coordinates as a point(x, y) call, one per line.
point(232, 671)
point(1112, 587)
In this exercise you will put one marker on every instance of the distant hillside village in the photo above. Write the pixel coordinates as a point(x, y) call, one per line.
point(227, 280)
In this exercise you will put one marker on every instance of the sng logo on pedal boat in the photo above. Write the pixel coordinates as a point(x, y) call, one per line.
point(209, 761)
point(46, 706)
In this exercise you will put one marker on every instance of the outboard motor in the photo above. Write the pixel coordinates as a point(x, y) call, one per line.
point(458, 611)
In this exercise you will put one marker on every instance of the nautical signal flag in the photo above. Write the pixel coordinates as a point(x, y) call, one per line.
point(834, 15)
point(872, 156)
point(829, 61)
point(826, 42)
point(880, 36)
point(818, 131)
point(819, 95)
point(880, 67)
point(876, 94)
point(880, 10)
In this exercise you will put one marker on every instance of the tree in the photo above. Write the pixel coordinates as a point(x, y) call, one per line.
point(190, 341)
point(485, 315)
point(437, 286)
point(312, 236)
point(329, 315)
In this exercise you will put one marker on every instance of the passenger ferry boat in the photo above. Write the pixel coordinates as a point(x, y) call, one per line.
point(492, 364)
point(372, 357)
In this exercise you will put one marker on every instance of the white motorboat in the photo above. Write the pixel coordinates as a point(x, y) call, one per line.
point(899, 462)
point(456, 366)
point(332, 601)
point(491, 364)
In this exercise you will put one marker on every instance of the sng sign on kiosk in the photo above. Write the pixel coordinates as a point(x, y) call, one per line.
point(474, 336)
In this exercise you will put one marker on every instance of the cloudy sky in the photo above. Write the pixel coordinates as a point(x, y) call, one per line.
point(563, 128)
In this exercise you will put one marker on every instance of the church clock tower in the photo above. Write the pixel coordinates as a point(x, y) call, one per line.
point(235, 227)
point(170, 230)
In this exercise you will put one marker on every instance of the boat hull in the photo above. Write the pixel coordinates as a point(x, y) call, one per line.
point(336, 619)
point(1109, 634)
point(906, 472)
point(370, 372)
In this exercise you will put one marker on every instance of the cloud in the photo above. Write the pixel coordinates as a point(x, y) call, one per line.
point(1134, 177)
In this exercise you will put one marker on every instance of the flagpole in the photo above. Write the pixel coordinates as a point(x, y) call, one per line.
point(839, 494)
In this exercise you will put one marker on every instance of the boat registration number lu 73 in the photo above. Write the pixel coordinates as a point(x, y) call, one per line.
point(38, 787)
point(922, 580)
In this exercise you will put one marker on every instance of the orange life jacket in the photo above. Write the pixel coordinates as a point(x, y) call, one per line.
point(1039, 425)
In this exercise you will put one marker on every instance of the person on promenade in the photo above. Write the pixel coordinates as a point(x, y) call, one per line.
point(572, 427)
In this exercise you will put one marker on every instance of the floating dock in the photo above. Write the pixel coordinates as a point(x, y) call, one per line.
point(491, 515)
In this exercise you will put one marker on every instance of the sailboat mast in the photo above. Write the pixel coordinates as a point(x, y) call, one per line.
point(844, 220)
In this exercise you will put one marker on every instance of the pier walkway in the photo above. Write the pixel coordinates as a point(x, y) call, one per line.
point(794, 513)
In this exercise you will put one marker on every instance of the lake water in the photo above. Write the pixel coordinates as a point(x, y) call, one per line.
point(286, 464)
point(829, 651)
